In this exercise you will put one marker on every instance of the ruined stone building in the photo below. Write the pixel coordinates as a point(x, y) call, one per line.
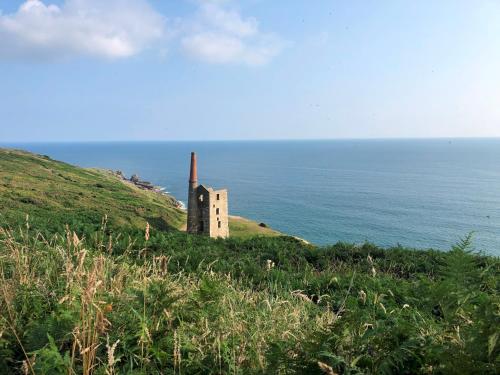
point(207, 208)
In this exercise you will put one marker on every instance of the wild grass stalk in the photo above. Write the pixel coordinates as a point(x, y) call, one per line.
point(75, 306)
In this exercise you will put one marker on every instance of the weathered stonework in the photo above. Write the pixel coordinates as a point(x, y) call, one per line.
point(207, 208)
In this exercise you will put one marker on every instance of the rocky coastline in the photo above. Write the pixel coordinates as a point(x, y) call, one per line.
point(145, 185)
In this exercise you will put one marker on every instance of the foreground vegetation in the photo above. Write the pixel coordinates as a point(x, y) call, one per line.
point(172, 303)
point(95, 278)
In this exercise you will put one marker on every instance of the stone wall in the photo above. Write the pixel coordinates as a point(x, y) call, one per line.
point(219, 218)
point(210, 211)
point(193, 216)
point(203, 201)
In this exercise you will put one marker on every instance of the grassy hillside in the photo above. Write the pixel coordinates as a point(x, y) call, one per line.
point(55, 194)
point(87, 299)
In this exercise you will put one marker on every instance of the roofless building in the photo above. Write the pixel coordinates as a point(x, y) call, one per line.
point(207, 208)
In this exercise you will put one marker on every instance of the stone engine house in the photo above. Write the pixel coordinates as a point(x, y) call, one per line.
point(207, 208)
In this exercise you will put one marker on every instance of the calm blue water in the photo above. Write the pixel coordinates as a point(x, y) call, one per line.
point(419, 193)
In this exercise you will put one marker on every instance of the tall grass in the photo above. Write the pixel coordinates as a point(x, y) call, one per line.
point(175, 304)
point(154, 319)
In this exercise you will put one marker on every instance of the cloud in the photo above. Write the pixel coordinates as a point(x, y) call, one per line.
point(100, 28)
point(220, 48)
point(216, 32)
point(228, 20)
point(220, 35)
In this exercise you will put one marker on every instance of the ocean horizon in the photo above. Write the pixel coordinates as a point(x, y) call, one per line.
point(421, 193)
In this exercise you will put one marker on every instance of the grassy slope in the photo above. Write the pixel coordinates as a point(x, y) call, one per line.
point(55, 193)
point(244, 228)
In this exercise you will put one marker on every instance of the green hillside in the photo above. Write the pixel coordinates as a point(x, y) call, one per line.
point(54, 194)
point(111, 297)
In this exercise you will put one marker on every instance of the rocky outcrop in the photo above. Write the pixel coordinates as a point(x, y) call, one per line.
point(146, 185)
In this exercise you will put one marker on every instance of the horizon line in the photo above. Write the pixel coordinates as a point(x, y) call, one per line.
point(252, 140)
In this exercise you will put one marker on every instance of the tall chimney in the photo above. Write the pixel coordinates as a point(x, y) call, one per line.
point(193, 212)
point(193, 175)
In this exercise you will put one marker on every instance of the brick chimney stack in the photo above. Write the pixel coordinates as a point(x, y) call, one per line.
point(193, 175)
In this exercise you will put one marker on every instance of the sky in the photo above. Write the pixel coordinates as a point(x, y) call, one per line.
point(124, 70)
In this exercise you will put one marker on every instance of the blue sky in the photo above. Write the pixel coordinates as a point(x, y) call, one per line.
point(86, 70)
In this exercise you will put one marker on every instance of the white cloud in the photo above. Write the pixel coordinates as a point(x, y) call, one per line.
point(219, 34)
point(100, 28)
point(216, 33)
point(228, 20)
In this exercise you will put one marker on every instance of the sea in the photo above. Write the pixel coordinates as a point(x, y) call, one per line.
point(417, 193)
